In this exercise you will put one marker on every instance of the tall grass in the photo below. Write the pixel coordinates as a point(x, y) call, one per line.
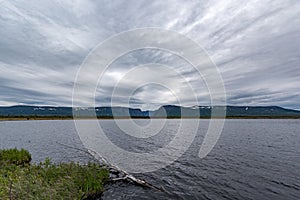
point(21, 180)
point(14, 156)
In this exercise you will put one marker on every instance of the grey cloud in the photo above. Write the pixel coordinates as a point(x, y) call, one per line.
point(256, 46)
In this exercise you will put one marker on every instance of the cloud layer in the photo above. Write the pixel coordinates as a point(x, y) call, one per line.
point(256, 46)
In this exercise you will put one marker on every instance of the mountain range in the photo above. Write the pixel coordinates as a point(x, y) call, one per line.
point(170, 111)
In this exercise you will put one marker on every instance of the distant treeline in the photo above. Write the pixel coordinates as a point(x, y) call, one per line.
point(22, 118)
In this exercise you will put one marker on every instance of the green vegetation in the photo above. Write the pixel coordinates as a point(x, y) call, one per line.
point(169, 117)
point(14, 156)
point(24, 118)
point(21, 180)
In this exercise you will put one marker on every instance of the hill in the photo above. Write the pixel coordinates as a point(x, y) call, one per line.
point(169, 111)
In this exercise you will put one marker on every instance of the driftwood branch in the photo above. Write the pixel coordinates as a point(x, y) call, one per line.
point(113, 168)
point(126, 176)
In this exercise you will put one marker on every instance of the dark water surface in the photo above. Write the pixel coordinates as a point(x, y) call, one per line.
point(253, 159)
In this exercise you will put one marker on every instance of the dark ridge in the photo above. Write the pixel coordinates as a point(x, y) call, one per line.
point(169, 111)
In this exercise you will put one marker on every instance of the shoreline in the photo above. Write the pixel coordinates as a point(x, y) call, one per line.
point(42, 118)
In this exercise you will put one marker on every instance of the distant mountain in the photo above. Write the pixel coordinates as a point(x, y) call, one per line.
point(49, 111)
point(170, 111)
point(231, 111)
point(15, 111)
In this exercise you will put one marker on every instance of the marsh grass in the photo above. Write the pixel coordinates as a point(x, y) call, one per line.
point(21, 180)
point(14, 156)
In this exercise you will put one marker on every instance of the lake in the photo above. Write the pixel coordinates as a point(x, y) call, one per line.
point(253, 158)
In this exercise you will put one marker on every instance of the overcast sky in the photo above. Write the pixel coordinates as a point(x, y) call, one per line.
point(255, 45)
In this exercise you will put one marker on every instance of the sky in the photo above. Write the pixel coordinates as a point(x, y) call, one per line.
point(254, 44)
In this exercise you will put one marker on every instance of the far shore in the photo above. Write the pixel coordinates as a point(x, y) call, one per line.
point(24, 118)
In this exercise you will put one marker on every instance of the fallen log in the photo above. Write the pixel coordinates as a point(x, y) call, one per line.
point(113, 168)
point(126, 175)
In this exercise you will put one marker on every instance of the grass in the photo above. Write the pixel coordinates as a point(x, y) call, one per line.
point(14, 156)
point(21, 180)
